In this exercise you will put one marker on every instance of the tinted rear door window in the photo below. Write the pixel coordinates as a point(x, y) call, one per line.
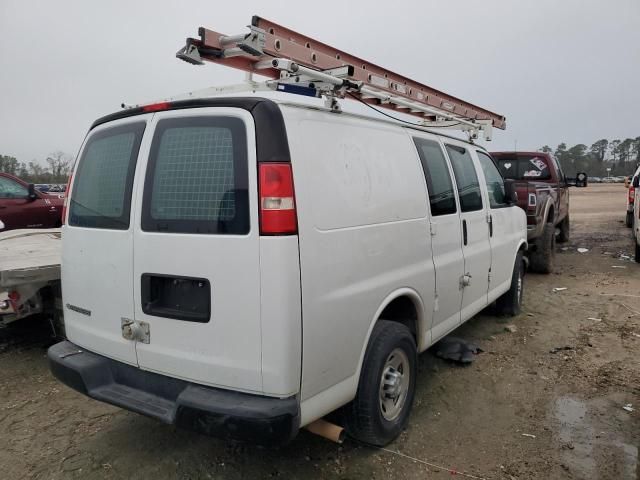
point(466, 178)
point(197, 177)
point(101, 194)
point(436, 172)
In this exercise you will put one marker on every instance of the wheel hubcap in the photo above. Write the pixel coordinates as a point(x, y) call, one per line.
point(394, 384)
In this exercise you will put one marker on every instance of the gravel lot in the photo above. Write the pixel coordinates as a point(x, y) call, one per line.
point(518, 412)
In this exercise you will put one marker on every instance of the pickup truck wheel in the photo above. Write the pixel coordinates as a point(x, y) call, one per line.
point(565, 228)
point(386, 388)
point(511, 302)
point(629, 221)
point(543, 259)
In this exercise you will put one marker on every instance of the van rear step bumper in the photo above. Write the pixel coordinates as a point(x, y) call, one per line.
point(211, 411)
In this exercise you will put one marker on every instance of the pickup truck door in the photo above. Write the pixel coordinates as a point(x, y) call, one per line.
point(446, 236)
point(476, 248)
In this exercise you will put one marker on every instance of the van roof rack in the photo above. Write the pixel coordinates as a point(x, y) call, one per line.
point(301, 65)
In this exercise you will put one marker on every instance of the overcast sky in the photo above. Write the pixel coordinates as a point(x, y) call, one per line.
point(564, 70)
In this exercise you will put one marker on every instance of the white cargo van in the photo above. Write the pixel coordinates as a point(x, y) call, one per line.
point(244, 266)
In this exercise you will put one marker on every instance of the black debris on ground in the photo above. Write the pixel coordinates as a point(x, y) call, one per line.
point(457, 350)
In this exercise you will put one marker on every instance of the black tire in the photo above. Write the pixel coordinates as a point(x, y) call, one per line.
point(565, 230)
point(511, 302)
point(637, 253)
point(629, 220)
point(543, 259)
point(365, 419)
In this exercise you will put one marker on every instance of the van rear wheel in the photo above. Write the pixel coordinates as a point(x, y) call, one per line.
point(386, 388)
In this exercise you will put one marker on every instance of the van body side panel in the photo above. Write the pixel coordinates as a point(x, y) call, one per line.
point(191, 241)
point(97, 251)
point(363, 232)
point(281, 315)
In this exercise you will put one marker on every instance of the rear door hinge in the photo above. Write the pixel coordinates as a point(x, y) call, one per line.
point(433, 227)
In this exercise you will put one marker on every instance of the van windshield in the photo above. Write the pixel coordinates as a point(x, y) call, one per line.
point(101, 193)
point(523, 167)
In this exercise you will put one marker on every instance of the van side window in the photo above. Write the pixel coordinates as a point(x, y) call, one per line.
point(466, 178)
point(101, 193)
point(438, 178)
point(495, 182)
point(197, 177)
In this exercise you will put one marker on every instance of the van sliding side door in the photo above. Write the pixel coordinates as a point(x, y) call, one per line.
point(446, 236)
point(475, 231)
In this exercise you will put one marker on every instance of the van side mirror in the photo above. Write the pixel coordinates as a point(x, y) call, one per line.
point(581, 179)
point(510, 194)
point(32, 192)
point(636, 182)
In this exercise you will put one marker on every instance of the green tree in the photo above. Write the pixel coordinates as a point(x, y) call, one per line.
point(614, 149)
point(8, 164)
point(36, 172)
point(636, 150)
point(59, 166)
point(624, 150)
point(599, 149)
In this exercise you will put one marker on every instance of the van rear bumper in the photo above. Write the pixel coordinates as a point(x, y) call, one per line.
point(211, 411)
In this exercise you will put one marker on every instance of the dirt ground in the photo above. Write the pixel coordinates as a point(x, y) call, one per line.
point(518, 412)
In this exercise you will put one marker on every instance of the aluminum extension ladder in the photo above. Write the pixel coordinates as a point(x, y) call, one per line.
point(299, 64)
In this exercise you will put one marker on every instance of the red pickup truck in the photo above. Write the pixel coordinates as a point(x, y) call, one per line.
point(543, 193)
point(22, 206)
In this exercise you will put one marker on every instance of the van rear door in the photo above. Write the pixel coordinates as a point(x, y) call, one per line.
point(97, 251)
point(196, 240)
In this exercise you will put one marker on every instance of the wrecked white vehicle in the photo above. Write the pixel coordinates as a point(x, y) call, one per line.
point(30, 275)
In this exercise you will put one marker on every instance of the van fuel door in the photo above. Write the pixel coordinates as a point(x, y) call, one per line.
point(135, 331)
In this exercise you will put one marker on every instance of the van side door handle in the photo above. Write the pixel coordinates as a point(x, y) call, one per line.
point(490, 225)
point(464, 231)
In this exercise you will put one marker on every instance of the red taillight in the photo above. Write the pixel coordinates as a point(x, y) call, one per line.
point(156, 107)
point(277, 200)
point(65, 203)
point(632, 193)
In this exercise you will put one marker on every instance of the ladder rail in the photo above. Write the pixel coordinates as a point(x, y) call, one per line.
point(364, 71)
point(278, 41)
